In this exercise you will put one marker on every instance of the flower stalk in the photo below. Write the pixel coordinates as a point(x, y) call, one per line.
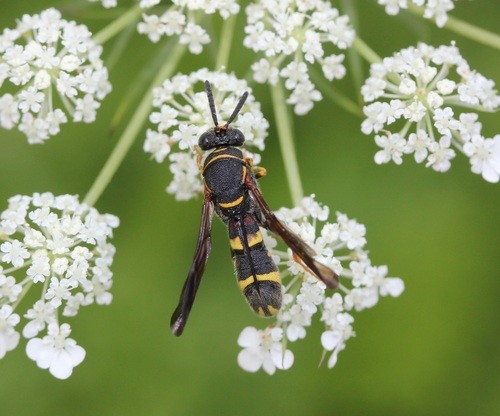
point(285, 136)
point(365, 51)
point(117, 25)
point(131, 131)
point(465, 29)
point(473, 32)
point(226, 38)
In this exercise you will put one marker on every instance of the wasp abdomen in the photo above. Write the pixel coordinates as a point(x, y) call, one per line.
point(257, 274)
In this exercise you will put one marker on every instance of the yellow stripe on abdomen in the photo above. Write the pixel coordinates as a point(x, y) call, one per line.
point(272, 277)
point(253, 239)
point(272, 311)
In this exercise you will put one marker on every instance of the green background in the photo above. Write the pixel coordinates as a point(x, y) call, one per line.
point(433, 351)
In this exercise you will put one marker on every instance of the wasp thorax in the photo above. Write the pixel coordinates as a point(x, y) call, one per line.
point(221, 136)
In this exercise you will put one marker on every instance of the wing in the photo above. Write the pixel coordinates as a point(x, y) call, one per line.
point(203, 246)
point(302, 252)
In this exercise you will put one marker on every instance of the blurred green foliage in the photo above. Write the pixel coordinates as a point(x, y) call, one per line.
point(433, 351)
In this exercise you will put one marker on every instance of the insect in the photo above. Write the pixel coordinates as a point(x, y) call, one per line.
point(230, 189)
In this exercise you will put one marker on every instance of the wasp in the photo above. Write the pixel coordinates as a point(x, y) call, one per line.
point(230, 189)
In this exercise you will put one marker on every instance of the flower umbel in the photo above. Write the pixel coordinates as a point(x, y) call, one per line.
point(43, 57)
point(182, 18)
point(61, 246)
point(414, 97)
point(433, 9)
point(340, 246)
point(182, 114)
point(293, 35)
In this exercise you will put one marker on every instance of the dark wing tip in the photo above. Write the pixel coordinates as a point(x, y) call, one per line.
point(177, 328)
point(326, 275)
point(319, 270)
point(177, 323)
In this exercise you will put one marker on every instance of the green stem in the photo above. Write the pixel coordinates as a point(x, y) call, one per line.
point(334, 95)
point(354, 60)
point(23, 292)
point(117, 25)
point(131, 131)
point(473, 32)
point(226, 38)
point(284, 127)
point(465, 29)
point(369, 54)
point(365, 51)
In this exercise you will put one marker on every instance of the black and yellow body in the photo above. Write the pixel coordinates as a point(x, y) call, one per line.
point(225, 174)
point(231, 191)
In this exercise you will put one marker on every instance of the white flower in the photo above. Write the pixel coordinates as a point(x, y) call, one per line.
point(418, 144)
point(484, 156)
point(292, 35)
point(393, 146)
point(311, 295)
point(14, 253)
point(38, 316)
point(263, 349)
point(59, 290)
point(56, 352)
point(9, 289)
point(186, 182)
point(152, 26)
point(433, 9)
point(334, 338)
point(440, 155)
point(420, 88)
point(106, 3)
point(183, 19)
point(59, 246)
point(195, 37)
point(181, 114)
point(9, 338)
point(298, 319)
point(361, 285)
point(45, 56)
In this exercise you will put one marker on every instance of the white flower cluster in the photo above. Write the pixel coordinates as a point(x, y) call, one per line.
point(182, 114)
point(181, 19)
point(293, 34)
point(59, 245)
point(361, 285)
point(108, 4)
point(42, 57)
point(414, 91)
point(433, 9)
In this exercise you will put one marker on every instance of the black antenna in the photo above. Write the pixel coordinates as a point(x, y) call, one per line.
point(237, 108)
point(211, 103)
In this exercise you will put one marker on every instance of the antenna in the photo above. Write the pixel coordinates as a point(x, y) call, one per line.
point(237, 108)
point(211, 103)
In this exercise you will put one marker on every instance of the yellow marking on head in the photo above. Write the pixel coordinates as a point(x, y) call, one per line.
point(270, 277)
point(253, 239)
point(231, 204)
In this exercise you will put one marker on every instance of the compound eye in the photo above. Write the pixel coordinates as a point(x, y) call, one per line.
point(236, 137)
point(207, 140)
